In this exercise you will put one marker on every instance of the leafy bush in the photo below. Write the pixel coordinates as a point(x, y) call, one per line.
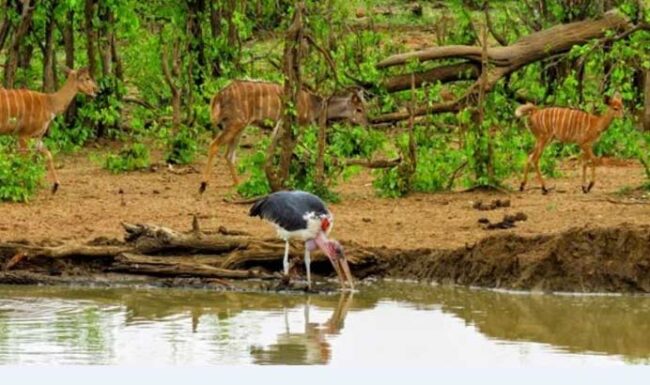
point(130, 158)
point(182, 148)
point(256, 184)
point(20, 176)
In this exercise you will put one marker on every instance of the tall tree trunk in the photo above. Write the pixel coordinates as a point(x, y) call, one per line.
point(49, 83)
point(293, 52)
point(215, 29)
point(646, 95)
point(196, 45)
point(11, 65)
point(171, 76)
point(104, 38)
point(89, 15)
point(68, 46)
point(5, 25)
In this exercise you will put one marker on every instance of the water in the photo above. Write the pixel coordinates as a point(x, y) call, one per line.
point(387, 325)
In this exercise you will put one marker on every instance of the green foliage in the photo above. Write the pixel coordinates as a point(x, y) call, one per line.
point(182, 148)
point(20, 176)
point(129, 158)
point(256, 184)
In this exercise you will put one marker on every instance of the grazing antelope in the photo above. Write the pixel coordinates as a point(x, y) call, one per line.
point(567, 126)
point(28, 114)
point(245, 102)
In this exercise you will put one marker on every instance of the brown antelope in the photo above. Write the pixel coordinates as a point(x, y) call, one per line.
point(567, 126)
point(245, 102)
point(28, 114)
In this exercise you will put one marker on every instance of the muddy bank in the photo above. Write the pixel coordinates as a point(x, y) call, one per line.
point(604, 259)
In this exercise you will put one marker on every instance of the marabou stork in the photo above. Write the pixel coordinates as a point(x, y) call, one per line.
point(304, 216)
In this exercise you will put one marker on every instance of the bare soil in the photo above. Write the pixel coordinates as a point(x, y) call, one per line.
point(89, 204)
point(568, 241)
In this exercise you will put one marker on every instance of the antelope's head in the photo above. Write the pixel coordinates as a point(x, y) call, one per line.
point(83, 80)
point(351, 107)
point(616, 104)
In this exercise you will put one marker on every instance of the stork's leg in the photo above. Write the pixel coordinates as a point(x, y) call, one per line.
point(307, 265)
point(285, 261)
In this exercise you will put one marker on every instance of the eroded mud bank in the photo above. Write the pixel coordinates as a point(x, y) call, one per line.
point(601, 259)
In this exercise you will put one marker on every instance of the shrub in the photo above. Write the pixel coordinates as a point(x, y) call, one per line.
point(20, 176)
point(130, 158)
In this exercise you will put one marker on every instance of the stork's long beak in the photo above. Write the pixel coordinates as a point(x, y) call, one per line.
point(343, 262)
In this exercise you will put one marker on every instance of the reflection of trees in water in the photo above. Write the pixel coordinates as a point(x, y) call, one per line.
point(610, 325)
point(615, 325)
point(77, 327)
point(309, 346)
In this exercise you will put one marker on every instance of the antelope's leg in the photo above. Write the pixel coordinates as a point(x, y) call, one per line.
point(539, 149)
point(50, 165)
point(592, 162)
point(212, 151)
point(22, 145)
point(522, 186)
point(231, 136)
point(230, 158)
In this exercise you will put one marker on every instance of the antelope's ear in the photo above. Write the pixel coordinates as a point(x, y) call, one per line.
point(66, 70)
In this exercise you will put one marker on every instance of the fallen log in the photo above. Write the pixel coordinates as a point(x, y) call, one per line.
point(144, 264)
point(443, 74)
point(503, 60)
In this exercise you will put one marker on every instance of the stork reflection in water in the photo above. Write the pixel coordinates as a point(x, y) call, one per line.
point(308, 347)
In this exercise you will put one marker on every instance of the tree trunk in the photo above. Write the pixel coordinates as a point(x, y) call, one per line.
point(5, 25)
point(26, 11)
point(196, 46)
point(104, 38)
point(49, 83)
point(646, 95)
point(68, 46)
point(293, 48)
point(215, 29)
point(171, 76)
point(89, 15)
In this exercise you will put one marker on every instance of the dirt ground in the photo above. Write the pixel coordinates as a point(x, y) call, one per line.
point(89, 204)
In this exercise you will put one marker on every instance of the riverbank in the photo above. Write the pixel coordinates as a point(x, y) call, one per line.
point(563, 241)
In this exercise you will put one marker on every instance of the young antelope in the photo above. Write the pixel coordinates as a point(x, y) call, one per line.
point(567, 126)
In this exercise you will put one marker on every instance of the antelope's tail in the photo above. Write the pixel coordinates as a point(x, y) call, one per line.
point(526, 109)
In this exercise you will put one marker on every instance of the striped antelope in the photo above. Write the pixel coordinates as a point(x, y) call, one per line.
point(28, 114)
point(567, 126)
point(245, 102)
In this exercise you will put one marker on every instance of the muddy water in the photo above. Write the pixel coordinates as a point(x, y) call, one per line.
point(387, 325)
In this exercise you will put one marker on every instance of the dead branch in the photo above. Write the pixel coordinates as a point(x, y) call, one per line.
point(444, 74)
point(379, 163)
point(526, 50)
point(505, 60)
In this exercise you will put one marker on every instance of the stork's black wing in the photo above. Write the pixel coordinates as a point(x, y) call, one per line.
point(288, 208)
